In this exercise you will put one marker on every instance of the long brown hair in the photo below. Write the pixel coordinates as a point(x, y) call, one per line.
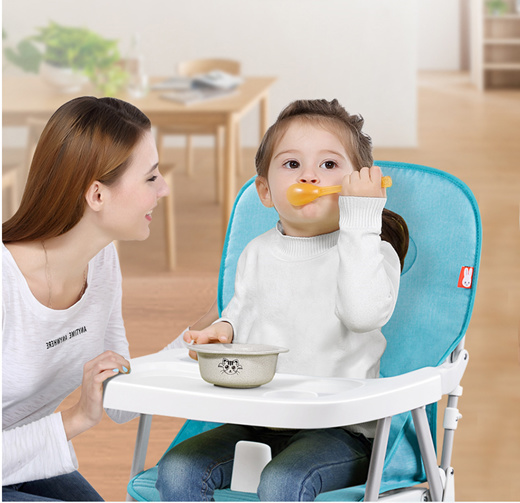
point(333, 117)
point(86, 139)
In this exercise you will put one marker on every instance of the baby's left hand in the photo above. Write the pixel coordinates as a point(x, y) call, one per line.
point(364, 183)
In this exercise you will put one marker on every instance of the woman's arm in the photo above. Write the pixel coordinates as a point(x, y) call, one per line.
point(88, 411)
point(36, 450)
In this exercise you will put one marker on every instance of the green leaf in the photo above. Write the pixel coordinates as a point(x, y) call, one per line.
point(26, 56)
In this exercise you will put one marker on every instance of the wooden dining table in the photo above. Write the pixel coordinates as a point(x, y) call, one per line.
point(27, 97)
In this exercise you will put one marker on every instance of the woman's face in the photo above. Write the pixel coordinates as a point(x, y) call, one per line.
point(133, 197)
point(306, 154)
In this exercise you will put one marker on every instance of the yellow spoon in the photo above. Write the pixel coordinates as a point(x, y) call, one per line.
point(304, 193)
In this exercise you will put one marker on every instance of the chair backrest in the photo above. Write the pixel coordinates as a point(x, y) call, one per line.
point(198, 66)
point(434, 306)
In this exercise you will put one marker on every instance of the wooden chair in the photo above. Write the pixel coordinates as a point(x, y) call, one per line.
point(189, 69)
point(11, 186)
point(14, 175)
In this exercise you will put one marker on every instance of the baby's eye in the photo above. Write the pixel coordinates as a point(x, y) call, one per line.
point(328, 164)
point(292, 164)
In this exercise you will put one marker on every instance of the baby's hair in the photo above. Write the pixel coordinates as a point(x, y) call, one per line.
point(327, 114)
point(331, 116)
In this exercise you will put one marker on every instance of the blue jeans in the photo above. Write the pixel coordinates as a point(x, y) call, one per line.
point(305, 463)
point(70, 487)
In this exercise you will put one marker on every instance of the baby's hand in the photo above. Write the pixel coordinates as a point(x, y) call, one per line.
point(221, 332)
point(364, 183)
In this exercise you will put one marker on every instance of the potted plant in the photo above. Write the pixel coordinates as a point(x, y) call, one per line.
point(69, 57)
point(496, 7)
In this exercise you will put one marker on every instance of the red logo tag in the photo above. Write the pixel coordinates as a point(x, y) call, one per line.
point(466, 277)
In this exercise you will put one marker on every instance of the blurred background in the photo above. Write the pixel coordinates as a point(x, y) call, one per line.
point(437, 81)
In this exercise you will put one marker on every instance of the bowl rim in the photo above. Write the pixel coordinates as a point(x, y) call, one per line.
point(237, 349)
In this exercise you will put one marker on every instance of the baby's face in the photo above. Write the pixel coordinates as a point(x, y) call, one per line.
point(306, 154)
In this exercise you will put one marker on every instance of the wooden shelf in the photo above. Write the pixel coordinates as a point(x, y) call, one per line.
point(502, 41)
point(506, 17)
point(499, 48)
point(502, 66)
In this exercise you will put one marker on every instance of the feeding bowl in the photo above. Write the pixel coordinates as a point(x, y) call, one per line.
point(237, 365)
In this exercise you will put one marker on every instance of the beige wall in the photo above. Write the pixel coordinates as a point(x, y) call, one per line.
point(362, 52)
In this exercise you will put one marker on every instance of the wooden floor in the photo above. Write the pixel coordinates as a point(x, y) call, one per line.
point(471, 135)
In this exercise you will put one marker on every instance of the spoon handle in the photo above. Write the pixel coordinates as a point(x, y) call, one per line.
point(386, 182)
point(331, 189)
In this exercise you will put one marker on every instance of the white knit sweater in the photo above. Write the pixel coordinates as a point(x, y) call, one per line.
point(324, 297)
point(43, 354)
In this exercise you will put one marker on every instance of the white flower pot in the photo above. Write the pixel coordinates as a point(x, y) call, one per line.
point(65, 80)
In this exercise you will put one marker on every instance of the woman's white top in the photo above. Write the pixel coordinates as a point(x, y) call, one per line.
point(44, 351)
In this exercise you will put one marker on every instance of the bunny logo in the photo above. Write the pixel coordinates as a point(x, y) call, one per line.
point(230, 367)
point(466, 277)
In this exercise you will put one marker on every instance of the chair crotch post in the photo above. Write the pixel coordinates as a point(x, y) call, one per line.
point(250, 459)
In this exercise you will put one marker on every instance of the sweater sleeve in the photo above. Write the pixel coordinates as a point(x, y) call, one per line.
point(36, 451)
point(369, 269)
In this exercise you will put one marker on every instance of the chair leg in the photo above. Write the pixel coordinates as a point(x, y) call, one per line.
point(377, 459)
point(428, 454)
point(159, 138)
point(189, 155)
point(238, 154)
point(10, 180)
point(141, 446)
point(219, 164)
point(169, 221)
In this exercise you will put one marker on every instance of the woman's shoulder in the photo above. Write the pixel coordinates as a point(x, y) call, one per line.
point(106, 263)
point(20, 252)
point(18, 260)
point(107, 257)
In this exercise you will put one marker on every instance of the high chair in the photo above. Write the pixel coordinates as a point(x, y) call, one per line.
point(424, 360)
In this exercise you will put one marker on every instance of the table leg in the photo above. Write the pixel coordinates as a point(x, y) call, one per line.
point(229, 172)
point(264, 115)
point(169, 221)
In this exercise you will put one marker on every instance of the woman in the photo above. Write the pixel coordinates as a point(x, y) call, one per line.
point(94, 179)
